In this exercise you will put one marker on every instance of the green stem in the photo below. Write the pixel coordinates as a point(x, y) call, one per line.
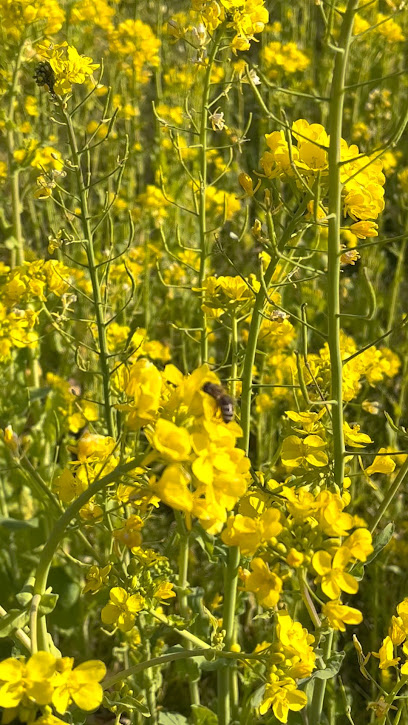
point(390, 698)
point(96, 290)
point(397, 283)
point(333, 280)
point(202, 218)
point(17, 253)
point(181, 655)
point(256, 319)
point(389, 496)
point(149, 680)
point(227, 675)
point(57, 535)
point(183, 600)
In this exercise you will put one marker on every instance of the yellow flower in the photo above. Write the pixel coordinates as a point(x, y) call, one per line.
point(249, 533)
point(164, 591)
point(386, 654)
point(282, 696)
point(96, 578)
point(69, 67)
point(332, 575)
point(365, 229)
point(354, 438)
point(173, 488)
point(69, 486)
point(381, 464)
point(339, 615)
point(172, 442)
point(94, 447)
point(80, 685)
point(130, 534)
point(359, 543)
point(122, 609)
point(297, 452)
point(265, 584)
point(33, 680)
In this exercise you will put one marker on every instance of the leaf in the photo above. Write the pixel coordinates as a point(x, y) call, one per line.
point(257, 697)
point(332, 667)
point(172, 718)
point(17, 524)
point(14, 619)
point(126, 704)
point(381, 541)
point(47, 603)
point(203, 716)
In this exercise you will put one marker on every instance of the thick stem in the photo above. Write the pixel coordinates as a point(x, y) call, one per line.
point(96, 290)
point(333, 280)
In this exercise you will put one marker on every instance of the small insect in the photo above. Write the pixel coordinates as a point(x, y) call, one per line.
point(223, 400)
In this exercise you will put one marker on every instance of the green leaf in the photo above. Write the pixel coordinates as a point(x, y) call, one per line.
point(258, 696)
point(14, 619)
point(332, 667)
point(381, 541)
point(172, 718)
point(126, 703)
point(48, 602)
point(17, 524)
point(203, 716)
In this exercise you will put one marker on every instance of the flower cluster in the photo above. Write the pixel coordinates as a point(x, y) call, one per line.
point(203, 473)
point(361, 175)
point(45, 680)
point(292, 658)
point(284, 58)
point(135, 40)
point(246, 18)
point(67, 65)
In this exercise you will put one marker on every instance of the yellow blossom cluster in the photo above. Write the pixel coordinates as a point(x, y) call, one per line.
point(229, 294)
point(283, 58)
point(292, 658)
point(361, 174)
point(397, 637)
point(66, 401)
point(48, 16)
point(45, 680)
point(99, 12)
point(246, 18)
point(204, 473)
point(135, 40)
point(34, 281)
point(221, 203)
point(67, 65)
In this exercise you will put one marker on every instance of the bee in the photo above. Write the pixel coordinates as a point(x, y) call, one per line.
point(223, 400)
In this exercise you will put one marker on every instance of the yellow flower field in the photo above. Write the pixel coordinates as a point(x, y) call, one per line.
point(203, 351)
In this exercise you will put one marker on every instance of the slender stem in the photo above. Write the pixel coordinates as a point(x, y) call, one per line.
point(202, 218)
point(333, 280)
point(96, 290)
point(396, 284)
point(256, 319)
point(389, 496)
point(183, 600)
point(17, 254)
point(148, 677)
point(58, 533)
point(228, 676)
point(226, 686)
